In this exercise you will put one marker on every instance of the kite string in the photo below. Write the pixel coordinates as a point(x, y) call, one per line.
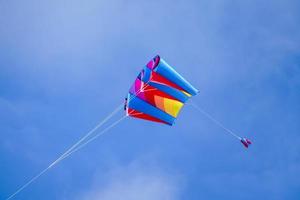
point(95, 136)
point(109, 127)
point(28, 183)
point(66, 152)
point(73, 148)
point(67, 155)
point(213, 119)
point(87, 135)
point(95, 128)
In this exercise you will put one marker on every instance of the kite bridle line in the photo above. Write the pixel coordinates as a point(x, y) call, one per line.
point(78, 145)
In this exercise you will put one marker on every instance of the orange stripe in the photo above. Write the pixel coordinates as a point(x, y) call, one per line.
point(159, 102)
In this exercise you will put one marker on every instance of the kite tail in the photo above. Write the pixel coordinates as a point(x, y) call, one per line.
point(214, 120)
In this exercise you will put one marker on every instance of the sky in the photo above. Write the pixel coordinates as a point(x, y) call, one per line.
point(65, 65)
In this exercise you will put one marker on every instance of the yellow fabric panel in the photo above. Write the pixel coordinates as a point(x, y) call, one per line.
point(172, 107)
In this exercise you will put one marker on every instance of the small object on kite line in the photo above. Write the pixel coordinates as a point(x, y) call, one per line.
point(246, 142)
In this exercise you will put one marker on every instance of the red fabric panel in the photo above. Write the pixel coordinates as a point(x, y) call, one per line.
point(155, 77)
point(150, 92)
point(137, 114)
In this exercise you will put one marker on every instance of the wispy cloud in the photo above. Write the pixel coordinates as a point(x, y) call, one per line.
point(135, 182)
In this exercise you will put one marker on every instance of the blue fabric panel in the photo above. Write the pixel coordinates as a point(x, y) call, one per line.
point(169, 73)
point(170, 91)
point(146, 75)
point(138, 104)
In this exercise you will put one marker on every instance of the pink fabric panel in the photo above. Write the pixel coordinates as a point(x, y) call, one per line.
point(135, 89)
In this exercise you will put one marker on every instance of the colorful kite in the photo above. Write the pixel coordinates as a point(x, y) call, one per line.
point(158, 93)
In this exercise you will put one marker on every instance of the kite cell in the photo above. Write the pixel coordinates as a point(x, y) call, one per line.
point(158, 93)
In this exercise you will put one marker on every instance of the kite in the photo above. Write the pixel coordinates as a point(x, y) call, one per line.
point(158, 93)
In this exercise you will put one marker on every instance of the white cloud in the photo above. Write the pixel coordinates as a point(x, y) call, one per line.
point(134, 182)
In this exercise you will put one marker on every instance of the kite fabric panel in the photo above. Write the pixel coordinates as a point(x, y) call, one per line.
point(158, 93)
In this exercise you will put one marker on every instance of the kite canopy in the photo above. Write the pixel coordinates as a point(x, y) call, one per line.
point(158, 93)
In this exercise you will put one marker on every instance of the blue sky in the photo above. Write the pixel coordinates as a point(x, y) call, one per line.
point(64, 65)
